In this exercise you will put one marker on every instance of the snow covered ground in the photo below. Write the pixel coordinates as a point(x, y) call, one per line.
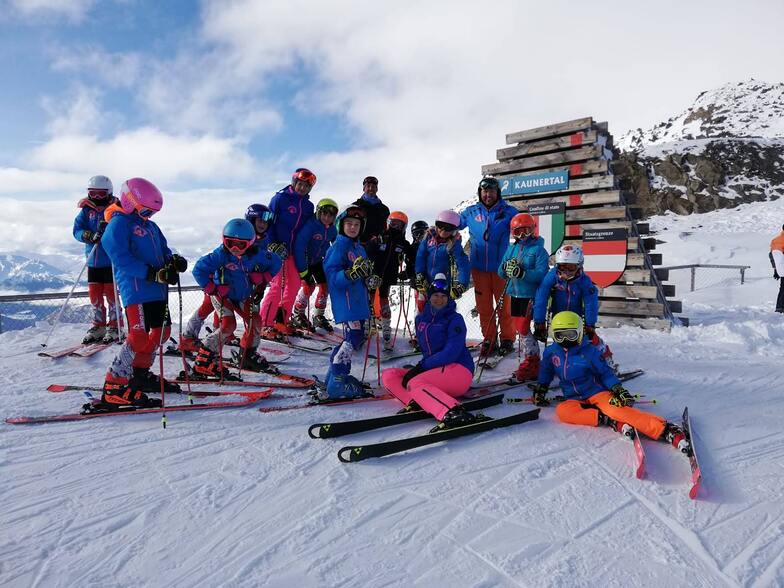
point(241, 498)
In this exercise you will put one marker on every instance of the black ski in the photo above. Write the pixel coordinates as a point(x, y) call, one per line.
point(353, 453)
point(325, 430)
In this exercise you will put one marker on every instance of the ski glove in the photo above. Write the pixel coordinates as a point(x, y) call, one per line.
point(512, 268)
point(621, 396)
point(421, 283)
point(218, 290)
point(412, 373)
point(590, 332)
point(457, 290)
point(163, 275)
point(179, 262)
point(278, 249)
point(90, 237)
point(540, 332)
point(372, 282)
point(257, 278)
point(361, 268)
point(539, 396)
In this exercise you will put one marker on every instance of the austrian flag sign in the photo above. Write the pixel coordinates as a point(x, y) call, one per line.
point(605, 255)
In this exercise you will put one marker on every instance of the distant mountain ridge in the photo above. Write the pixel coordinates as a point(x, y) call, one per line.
point(20, 273)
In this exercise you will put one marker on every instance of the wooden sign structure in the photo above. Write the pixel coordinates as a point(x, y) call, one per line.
point(532, 171)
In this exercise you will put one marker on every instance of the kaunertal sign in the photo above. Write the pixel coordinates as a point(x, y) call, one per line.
point(533, 183)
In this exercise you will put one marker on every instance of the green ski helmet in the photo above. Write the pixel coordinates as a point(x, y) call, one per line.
point(566, 329)
point(326, 203)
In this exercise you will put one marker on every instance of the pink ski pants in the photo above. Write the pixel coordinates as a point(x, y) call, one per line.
point(434, 390)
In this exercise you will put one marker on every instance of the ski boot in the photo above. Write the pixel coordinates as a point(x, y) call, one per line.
point(206, 366)
point(458, 416)
point(320, 322)
point(146, 381)
point(528, 369)
point(619, 427)
point(270, 334)
point(414, 344)
point(675, 436)
point(488, 348)
point(410, 407)
point(299, 321)
point(387, 345)
point(111, 335)
point(95, 334)
point(254, 362)
point(506, 347)
point(118, 393)
point(342, 385)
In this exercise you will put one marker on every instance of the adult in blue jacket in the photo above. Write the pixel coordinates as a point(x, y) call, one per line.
point(488, 227)
point(310, 248)
point(88, 228)
point(524, 264)
point(594, 395)
point(347, 267)
point(447, 368)
point(292, 208)
point(144, 267)
point(234, 276)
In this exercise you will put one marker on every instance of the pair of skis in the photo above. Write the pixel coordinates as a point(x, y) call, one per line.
point(81, 350)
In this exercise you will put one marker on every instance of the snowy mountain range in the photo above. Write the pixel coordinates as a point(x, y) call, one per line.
point(725, 149)
point(21, 272)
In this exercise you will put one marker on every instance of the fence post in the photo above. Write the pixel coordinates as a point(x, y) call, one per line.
point(742, 275)
point(693, 274)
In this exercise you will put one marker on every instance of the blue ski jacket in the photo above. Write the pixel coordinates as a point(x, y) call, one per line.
point(292, 211)
point(349, 298)
point(87, 220)
point(135, 245)
point(442, 337)
point(312, 243)
point(433, 257)
point(488, 230)
point(581, 370)
point(222, 267)
point(532, 257)
point(578, 295)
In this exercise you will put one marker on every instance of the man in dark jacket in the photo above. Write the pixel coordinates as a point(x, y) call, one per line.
point(376, 212)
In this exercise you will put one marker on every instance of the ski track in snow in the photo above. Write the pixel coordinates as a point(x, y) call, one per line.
point(241, 498)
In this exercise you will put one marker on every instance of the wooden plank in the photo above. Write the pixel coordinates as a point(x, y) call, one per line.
point(548, 160)
point(576, 170)
point(580, 185)
point(635, 259)
point(564, 128)
point(570, 200)
point(633, 291)
point(631, 242)
point(549, 145)
point(592, 214)
point(632, 307)
point(576, 229)
point(660, 324)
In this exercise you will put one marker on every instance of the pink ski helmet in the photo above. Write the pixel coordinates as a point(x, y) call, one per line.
point(140, 196)
point(448, 220)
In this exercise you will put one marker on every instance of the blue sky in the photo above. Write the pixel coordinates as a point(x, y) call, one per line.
point(220, 100)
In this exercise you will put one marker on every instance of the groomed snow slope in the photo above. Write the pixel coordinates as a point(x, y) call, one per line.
point(240, 498)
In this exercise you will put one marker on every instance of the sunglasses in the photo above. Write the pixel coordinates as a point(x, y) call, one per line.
point(236, 244)
point(566, 335)
point(305, 176)
point(446, 226)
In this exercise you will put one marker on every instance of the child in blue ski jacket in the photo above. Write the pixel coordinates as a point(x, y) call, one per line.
point(593, 393)
point(347, 267)
point(310, 247)
point(88, 228)
point(524, 264)
point(234, 276)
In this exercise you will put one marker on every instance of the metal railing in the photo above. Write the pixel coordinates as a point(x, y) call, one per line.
point(694, 266)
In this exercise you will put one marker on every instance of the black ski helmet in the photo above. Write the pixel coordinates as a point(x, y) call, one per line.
point(418, 228)
point(488, 182)
point(351, 212)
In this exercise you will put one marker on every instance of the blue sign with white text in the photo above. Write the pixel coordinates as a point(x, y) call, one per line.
point(532, 183)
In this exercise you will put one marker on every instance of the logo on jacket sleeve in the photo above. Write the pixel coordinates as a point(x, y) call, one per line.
point(556, 361)
point(139, 231)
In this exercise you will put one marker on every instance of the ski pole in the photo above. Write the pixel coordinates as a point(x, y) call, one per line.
point(118, 314)
point(185, 369)
point(67, 298)
point(248, 336)
point(220, 339)
point(166, 315)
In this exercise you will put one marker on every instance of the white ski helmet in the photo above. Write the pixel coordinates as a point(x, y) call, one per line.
point(100, 183)
point(569, 254)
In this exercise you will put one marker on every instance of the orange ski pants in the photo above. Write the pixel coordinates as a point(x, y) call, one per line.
point(488, 287)
point(586, 412)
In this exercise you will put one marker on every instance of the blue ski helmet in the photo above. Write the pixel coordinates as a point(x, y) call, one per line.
point(259, 211)
point(238, 235)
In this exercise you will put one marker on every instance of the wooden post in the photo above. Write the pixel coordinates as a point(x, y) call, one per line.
point(693, 274)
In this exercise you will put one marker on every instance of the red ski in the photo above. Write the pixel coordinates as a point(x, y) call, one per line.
point(33, 420)
point(90, 350)
point(60, 352)
point(639, 454)
point(696, 471)
point(197, 393)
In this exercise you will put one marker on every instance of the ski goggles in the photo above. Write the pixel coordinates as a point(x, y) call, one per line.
point(562, 335)
point(98, 194)
point(370, 180)
point(439, 287)
point(524, 231)
point(397, 224)
point(567, 269)
point(449, 227)
point(267, 216)
point(233, 244)
point(146, 212)
point(305, 175)
point(330, 210)
point(489, 183)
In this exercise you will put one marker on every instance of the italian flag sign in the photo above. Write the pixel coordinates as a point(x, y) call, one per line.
point(550, 224)
point(605, 255)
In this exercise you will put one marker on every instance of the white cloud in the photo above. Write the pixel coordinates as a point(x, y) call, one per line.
point(81, 115)
point(98, 67)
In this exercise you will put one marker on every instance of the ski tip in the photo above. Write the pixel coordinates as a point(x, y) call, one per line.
point(56, 388)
